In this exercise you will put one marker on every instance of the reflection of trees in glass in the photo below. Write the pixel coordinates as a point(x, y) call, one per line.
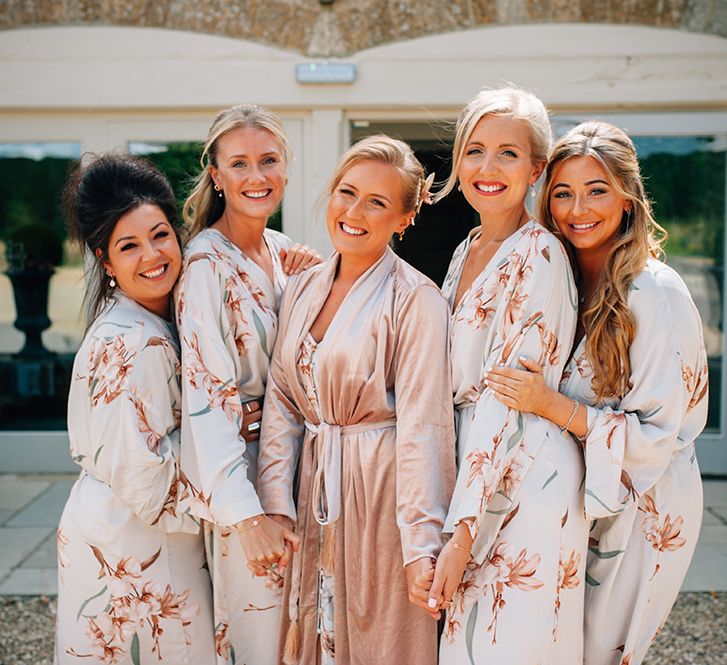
point(685, 179)
point(688, 191)
point(179, 161)
point(30, 192)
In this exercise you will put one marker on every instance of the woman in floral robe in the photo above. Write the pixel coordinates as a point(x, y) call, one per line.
point(357, 443)
point(227, 304)
point(516, 510)
point(638, 417)
point(132, 585)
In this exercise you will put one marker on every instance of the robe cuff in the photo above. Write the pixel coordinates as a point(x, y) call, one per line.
point(232, 514)
point(419, 541)
point(277, 502)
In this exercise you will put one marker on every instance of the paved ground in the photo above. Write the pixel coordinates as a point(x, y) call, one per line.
point(30, 507)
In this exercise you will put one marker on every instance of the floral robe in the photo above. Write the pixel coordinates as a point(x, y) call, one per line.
point(642, 483)
point(227, 316)
point(376, 472)
point(521, 599)
point(132, 580)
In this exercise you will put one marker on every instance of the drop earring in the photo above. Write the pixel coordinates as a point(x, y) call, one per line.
point(112, 281)
point(218, 189)
point(532, 190)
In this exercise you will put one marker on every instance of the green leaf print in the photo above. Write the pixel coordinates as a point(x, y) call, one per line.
point(78, 458)
point(134, 651)
point(236, 466)
point(517, 437)
point(261, 332)
point(604, 555)
point(98, 452)
point(591, 582)
point(88, 600)
point(232, 655)
point(611, 510)
point(552, 477)
point(470, 632)
point(201, 412)
point(572, 298)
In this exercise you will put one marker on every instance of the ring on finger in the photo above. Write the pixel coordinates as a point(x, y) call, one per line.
point(253, 427)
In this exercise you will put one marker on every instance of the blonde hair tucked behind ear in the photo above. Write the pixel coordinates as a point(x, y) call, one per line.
point(384, 149)
point(609, 323)
point(508, 101)
point(203, 207)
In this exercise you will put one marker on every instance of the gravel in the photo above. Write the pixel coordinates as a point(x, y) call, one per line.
point(696, 631)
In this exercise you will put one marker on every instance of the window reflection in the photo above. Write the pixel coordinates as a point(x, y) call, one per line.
point(37, 341)
point(685, 178)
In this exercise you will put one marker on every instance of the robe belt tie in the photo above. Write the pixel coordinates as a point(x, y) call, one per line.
point(326, 489)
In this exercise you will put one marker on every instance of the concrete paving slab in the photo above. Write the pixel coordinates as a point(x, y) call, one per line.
point(708, 571)
point(16, 544)
point(5, 515)
point(715, 493)
point(713, 535)
point(45, 555)
point(31, 582)
point(45, 509)
point(720, 513)
point(16, 492)
point(709, 519)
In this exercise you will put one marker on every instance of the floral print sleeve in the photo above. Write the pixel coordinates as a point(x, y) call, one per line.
point(216, 334)
point(134, 397)
point(528, 304)
point(628, 446)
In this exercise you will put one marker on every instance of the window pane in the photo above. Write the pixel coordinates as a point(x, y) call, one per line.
point(685, 178)
point(35, 365)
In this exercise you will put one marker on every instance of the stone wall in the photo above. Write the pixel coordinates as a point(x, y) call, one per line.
point(347, 26)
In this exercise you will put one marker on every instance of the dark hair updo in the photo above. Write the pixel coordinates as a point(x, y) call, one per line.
point(100, 193)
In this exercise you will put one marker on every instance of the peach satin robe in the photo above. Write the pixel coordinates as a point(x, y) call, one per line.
point(379, 470)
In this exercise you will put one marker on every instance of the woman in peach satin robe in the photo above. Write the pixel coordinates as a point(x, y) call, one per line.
point(357, 443)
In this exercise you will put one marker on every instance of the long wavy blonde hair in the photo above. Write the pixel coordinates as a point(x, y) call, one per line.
point(203, 207)
point(609, 323)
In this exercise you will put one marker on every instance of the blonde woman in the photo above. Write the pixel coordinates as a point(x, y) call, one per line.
point(634, 392)
point(357, 443)
point(519, 533)
point(227, 302)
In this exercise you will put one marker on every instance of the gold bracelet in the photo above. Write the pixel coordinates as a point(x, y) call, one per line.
point(457, 546)
point(256, 522)
point(565, 427)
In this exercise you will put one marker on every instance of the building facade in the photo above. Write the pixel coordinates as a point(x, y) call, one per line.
point(147, 77)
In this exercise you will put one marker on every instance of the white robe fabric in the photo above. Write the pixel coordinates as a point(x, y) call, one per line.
point(133, 584)
point(227, 312)
point(521, 599)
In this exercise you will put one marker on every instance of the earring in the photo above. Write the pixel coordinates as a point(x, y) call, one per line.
point(532, 190)
point(112, 281)
point(401, 236)
point(218, 189)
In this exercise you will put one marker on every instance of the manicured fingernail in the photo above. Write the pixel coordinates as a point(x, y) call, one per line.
point(432, 603)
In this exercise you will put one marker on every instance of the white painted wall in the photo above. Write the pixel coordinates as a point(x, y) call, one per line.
point(106, 86)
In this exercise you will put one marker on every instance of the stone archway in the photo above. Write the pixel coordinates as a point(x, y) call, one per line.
point(342, 27)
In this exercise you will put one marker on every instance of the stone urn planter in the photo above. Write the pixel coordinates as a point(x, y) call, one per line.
point(32, 252)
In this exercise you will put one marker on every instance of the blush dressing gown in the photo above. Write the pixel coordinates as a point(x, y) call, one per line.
point(643, 485)
point(227, 316)
point(521, 598)
point(132, 578)
point(357, 447)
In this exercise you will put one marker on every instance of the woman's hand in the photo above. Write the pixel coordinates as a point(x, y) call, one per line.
point(298, 258)
point(252, 414)
point(451, 565)
point(266, 542)
point(524, 390)
point(419, 577)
